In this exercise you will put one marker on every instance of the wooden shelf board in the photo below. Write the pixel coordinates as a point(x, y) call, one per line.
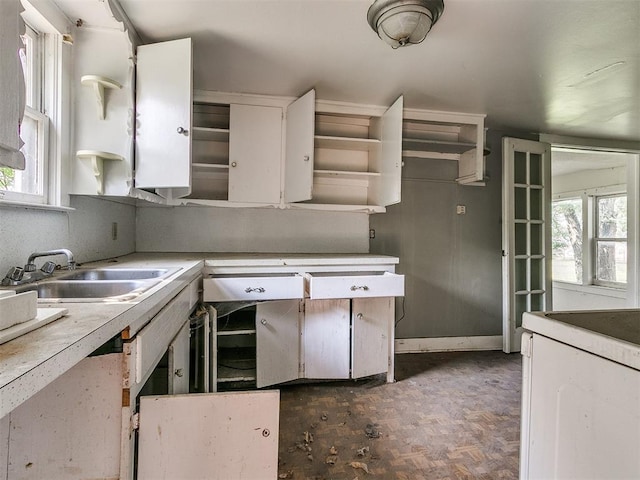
point(209, 167)
point(237, 332)
point(211, 134)
point(439, 146)
point(346, 143)
point(344, 173)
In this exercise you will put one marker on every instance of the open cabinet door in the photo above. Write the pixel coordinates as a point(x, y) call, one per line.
point(277, 342)
point(526, 234)
point(298, 169)
point(163, 117)
point(388, 160)
point(217, 436)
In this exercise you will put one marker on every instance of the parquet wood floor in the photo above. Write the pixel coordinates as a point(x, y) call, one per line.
point(449, 416)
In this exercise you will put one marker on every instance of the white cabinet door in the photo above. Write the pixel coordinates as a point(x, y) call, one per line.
point(255, 146)
point(218, 436)
point(277, 342)
point(179, 362)
point(298, 169)
point(326, 338)
point(163, 111)
point(388, 161)
point(372, 321)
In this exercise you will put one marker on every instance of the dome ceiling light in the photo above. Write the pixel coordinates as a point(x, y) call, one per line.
point(404, 22)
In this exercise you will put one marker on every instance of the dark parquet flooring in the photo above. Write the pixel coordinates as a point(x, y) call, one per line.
point(448, 416)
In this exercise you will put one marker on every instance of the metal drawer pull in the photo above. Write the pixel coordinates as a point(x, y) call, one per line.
point(257, 290)
point(359, 287)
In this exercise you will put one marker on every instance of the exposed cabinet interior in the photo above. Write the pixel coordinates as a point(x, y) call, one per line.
point(442, 136)
point(234, 348)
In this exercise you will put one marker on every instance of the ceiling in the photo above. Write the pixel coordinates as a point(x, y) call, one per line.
point(565, 67)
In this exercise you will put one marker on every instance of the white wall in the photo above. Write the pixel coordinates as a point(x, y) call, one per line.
point(86, 231)
point(578, 297)
point(208, 229)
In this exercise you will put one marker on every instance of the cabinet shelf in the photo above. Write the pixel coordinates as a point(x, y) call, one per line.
point(98, 84)
point(346, 143)
point(418, 147)
point(211, 134)
point(343, 174)
point(209, 167)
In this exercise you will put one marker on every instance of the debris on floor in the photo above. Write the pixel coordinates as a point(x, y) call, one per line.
point(286, 475)
point(371, 430)
point(324, 416)
point(331, 460)
point(360, 465)
point(361, 452)
point(308, 437)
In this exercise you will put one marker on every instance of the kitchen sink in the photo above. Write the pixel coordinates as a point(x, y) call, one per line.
point(102, 274)
point(87, 290)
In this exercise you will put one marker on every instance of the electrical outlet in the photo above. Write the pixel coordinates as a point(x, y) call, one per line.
point(461, 209)
point(372, 233)
point(114, 231)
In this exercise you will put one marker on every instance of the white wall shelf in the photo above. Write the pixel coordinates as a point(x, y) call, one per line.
point(98, 84)
point(97, 159)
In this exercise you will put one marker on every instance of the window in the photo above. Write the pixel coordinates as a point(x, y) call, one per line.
point(567, 240)
point(605, 263)
point(610, 240)
point(30, 184)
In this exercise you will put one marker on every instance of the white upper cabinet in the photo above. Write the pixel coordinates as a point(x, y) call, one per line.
point(447, 136)
point(163, 106)
point(300, 126)
point(386, 190)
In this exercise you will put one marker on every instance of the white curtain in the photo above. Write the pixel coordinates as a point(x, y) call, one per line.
point(12, 89)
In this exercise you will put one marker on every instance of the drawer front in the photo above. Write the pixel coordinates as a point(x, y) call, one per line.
point(252, 288)
point(356, 286)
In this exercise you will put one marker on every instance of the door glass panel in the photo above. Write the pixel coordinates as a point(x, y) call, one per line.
point(521, 307)
point(520, 203)
point(536, 238)
point(535, 172)
point(536, 204)
point(537, 302)
point(520, 167)
point(521, 239)
point(537, 266)
point(521, 275)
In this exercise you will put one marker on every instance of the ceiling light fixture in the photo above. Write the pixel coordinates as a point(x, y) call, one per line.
point(404, 22)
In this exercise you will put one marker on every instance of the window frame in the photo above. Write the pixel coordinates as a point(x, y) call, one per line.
point(596, 239)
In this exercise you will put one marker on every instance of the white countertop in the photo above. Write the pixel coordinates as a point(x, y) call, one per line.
point(30, 362)
point(611, 334)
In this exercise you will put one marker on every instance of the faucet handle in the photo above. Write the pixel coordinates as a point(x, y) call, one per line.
point(30, 267)
point(15, 274)
point(48, 267)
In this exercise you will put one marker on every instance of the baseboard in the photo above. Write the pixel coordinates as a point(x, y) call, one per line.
point(448, 344)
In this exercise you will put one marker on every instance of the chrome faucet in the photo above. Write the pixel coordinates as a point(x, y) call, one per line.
point(29, 274)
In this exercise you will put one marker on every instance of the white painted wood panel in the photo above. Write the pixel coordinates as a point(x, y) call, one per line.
point(274, 287)
point(70, 429)
point(583, 415)
point(336, 285)
point(277, 342)
point(255, 146)
point(151, 342)
point(4, 445)
point(217, 436)
point(386, 189)
point(163, 105)
point(179, 362)
point(299, 153)
point(370, 340)
point(326, 338)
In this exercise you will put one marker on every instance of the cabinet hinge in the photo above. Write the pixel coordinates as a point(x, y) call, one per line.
point(135, 421)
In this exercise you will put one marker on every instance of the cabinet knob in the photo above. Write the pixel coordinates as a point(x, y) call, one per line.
point(182, 131)
point(359, 316)
point(306, 158)
point(234, 164)
point(263, 321)
point(178, 373)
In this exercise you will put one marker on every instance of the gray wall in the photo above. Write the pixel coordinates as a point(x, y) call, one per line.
point(86, 231)
point(452, 263)
point(210, 229)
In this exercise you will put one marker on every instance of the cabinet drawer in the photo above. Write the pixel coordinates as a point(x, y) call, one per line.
point(272, 287)
point(356, 285)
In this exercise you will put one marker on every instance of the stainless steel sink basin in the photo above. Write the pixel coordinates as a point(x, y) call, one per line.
point(103, 274)
point(90, 289)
